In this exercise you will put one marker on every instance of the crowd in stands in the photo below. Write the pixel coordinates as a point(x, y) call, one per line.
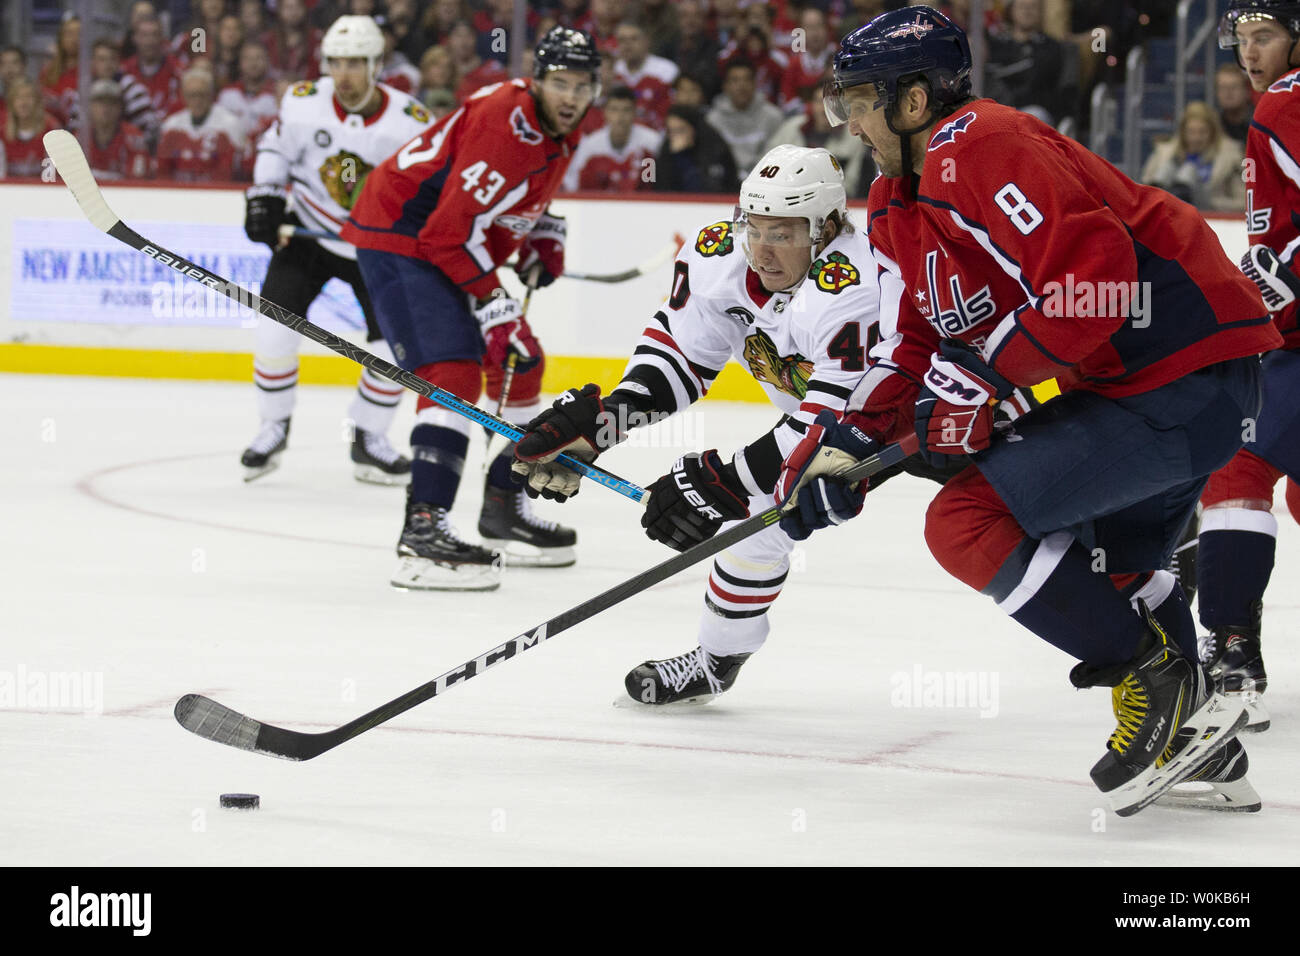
point(693, 91)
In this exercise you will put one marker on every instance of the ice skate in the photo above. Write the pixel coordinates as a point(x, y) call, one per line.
point(1170, 721)
point(694, 677)
point(1236, 664)
point(434, 558)
point(262, 456)
point(1218, 784)
point(377, 461)
point(508, 524)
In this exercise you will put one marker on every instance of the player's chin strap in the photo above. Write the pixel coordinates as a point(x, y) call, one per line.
point(905, 144)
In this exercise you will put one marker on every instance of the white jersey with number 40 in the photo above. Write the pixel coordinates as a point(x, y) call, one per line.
point(807, 348)
point(326, 152)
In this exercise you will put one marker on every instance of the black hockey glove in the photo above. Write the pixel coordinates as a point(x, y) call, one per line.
point(689, 504)
point(575, 424)
point(264, 214)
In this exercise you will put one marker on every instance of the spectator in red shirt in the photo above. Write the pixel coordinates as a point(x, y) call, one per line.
point(576, 14)
point(140, 10)
point(810, 56)
point(201, 142)
point(154, 69)
point(613, 159)
point(294, 45)
point(117, 149)
point(606, 15)
point(473, 70)
point(252, 97)
point(28, 121)
point(13, 66)
point(768, 64)
point(650, 77)
point(59, 76)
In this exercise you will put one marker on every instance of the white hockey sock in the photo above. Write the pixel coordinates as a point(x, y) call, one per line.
point(376, 399)
point(275, 369)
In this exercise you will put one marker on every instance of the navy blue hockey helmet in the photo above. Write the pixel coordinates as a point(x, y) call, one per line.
point(901, 44)
point(563, 48)
point(1285, 14)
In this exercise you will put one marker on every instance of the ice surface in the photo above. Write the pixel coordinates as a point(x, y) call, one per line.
point(135, 552)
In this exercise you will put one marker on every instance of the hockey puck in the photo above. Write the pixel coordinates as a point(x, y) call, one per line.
point(240, 801)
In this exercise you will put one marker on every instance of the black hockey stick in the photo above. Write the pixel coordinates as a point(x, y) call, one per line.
point(71, 164)
point(207, 718)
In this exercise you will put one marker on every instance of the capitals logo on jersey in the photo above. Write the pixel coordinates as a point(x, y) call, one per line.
point(343, 175)
point(834, 274)
point(965, 312)
point(789, 373)
point(715, 240)
point(522, 129)
point(948, 132)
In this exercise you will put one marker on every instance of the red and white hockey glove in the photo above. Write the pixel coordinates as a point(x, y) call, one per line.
point(575, 424)
point(808, 486)
point(954, 411)
point(543, 246)
point(505, 330)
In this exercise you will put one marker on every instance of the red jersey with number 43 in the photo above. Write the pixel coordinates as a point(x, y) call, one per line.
point(1023, 243)
point(465, 193)
point(1273, 197)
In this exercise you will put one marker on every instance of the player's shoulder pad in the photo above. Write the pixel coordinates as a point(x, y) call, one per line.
point(840, 266)
point(716, 239)
point(711, 271)
point(408, 105)
point(1279, 101)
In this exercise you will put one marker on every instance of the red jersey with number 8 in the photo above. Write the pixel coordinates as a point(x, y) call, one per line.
point(1022, 242)
point(465, 192)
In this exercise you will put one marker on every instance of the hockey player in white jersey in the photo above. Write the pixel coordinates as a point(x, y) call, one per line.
point(788, 290)
point(311, 164)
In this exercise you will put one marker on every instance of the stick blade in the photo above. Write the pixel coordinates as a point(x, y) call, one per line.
point(71, 163)
point(205, 717)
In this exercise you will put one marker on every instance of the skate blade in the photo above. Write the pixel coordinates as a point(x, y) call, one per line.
point(677, 706)
point(252, 474)
point(1217, 722)
point(374, 475)
point(1235, 797)
point(1259, 720)
point(423, 574)
point(521, 555)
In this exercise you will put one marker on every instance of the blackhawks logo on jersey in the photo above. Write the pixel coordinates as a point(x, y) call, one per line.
point(789, 373)
point(343, 175)
point(715, 240)
point(834, 273)
point(304, 88)
point(418, 113)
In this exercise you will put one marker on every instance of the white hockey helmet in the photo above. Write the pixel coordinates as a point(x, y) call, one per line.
point(355, 36)
point(796, 182)
point(350, 36)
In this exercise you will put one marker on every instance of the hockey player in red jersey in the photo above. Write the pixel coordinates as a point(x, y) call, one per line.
point(432, 226)
point(1008, 255)
point(1238, 534)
